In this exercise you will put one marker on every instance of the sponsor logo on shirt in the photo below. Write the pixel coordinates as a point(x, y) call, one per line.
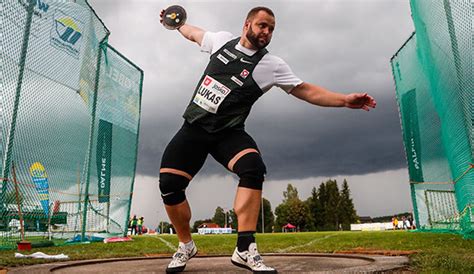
point(237, 81)
point(245, 61)
point(222, 58)
point(233, 56)
point(244, 73)
point(207, 81)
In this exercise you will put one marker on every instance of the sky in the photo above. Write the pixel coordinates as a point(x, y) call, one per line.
point(342, 45)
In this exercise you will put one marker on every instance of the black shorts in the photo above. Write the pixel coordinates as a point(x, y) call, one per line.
point(188, 150)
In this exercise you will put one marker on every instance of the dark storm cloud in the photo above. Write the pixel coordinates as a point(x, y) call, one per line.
point(311, 142)
point(342, 45)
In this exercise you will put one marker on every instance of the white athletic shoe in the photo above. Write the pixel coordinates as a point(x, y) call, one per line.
point(180, 258)
point(250, 259)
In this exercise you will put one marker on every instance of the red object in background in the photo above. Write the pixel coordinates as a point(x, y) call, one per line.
point(24, 245)
point(56, 206)
point(117, 239)
point(209, 225)
point(288, 225)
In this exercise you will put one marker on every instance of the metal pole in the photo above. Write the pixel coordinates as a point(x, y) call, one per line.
point(11, 136)
point(91, 141)
point(263, 218)
point(136, 149)
point(50, 215)
point(108, 215)
point(17, 195)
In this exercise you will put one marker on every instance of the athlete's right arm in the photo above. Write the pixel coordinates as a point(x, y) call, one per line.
point(192, 33)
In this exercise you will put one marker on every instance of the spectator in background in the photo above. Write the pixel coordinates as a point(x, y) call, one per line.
point(407, 223)
point(412, 223)
point(404, 222)
point(134, 225)
point(140, 225)
point(395, 222)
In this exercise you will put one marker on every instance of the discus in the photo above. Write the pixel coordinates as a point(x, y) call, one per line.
point(174, 17)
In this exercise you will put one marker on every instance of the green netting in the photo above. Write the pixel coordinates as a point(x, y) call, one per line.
point(433, 76)
point(70, 109)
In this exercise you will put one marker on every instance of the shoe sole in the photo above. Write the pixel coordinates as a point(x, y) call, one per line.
point(254, 271)
point(175, 269)
point(180, 268)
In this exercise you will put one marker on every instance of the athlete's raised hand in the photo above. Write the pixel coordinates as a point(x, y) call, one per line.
point(173, 17)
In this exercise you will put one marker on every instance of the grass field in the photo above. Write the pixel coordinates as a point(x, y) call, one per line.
point(433, 252)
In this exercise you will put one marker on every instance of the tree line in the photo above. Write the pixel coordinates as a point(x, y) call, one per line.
point(328, 208)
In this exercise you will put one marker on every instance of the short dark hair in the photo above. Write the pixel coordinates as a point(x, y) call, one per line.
point(255, 10)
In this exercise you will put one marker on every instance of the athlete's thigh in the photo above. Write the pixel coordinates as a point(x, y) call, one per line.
point(232, 146)
point(187, 151)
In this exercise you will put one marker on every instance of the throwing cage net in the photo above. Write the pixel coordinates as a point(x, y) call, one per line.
point(70, 113)
point(433, 73)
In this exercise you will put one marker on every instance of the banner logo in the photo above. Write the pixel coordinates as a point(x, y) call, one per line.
point(40, 5)
point(16, 14)
point(66, 34)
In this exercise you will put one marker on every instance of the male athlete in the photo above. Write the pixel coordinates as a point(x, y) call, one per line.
point(240, 70)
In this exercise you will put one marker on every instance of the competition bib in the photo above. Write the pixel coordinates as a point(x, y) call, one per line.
point(210, 94)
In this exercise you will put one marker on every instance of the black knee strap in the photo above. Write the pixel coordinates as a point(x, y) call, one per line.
point(172, 188)
point(251, 171)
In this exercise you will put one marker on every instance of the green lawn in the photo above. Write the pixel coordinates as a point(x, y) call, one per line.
point(435, 252)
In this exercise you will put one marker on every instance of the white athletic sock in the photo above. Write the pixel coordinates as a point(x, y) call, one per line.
point(189, 245)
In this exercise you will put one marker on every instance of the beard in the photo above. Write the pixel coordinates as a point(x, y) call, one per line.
point(255, 41)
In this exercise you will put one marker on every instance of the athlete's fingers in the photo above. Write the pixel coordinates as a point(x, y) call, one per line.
point(372, 102)
point(369, 100)
point(161, 15)
point(362, 96)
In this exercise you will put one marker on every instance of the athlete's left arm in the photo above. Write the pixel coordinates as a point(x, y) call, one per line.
point(320, 96)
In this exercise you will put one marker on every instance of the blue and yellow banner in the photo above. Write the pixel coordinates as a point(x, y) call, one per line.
point(40, 178)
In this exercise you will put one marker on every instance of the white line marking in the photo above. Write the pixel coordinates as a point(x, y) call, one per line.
point(285, 250)
point(168, 244)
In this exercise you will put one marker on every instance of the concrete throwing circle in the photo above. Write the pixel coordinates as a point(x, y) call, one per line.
point(284, 263)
